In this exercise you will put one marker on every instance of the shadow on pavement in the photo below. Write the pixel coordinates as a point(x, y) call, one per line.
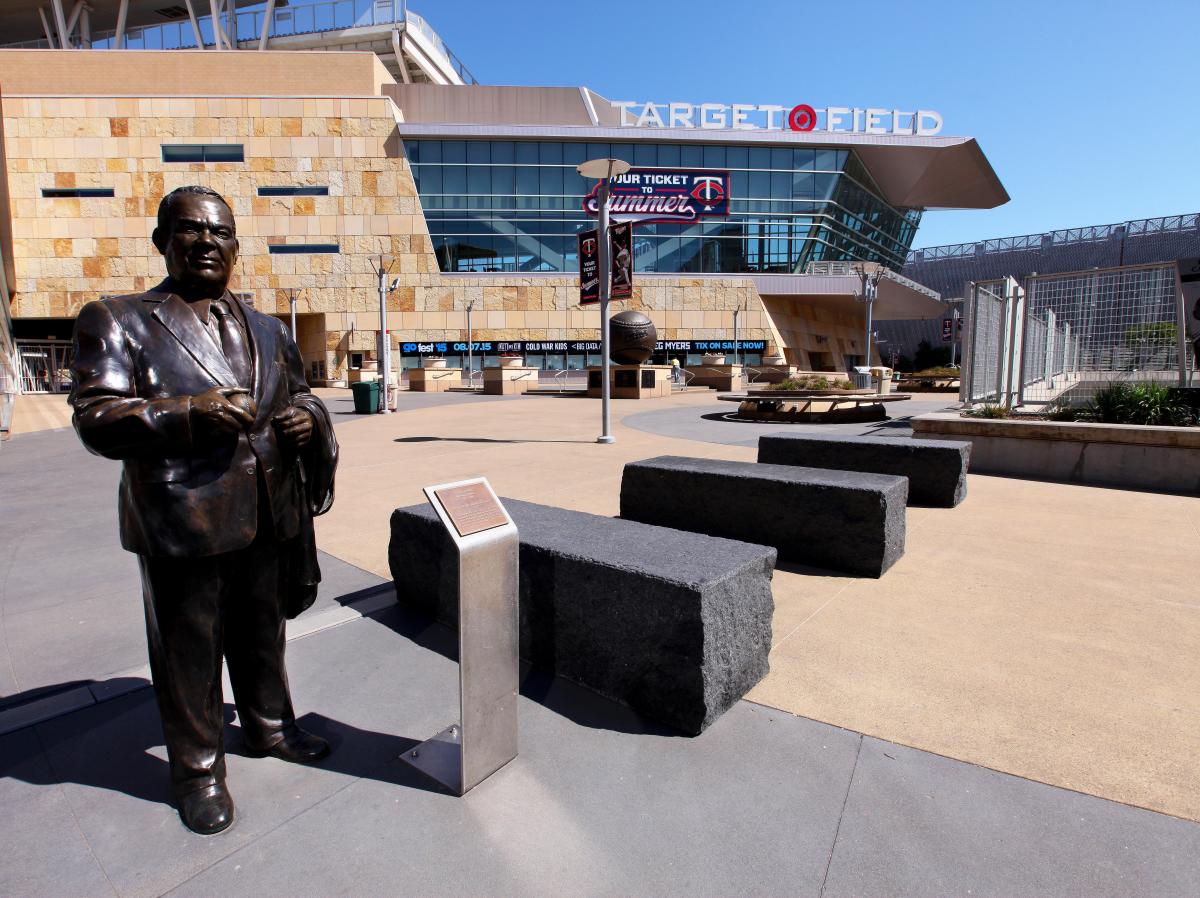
point(567, 699)
point(476, 440)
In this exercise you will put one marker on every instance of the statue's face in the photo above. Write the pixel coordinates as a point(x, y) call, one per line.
point(200, 244)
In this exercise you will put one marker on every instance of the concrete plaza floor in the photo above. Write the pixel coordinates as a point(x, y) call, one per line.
point(1038, 634)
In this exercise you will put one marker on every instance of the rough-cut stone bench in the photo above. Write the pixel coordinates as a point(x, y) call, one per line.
point(936, 469)
point(675, 625)
point(842, 520)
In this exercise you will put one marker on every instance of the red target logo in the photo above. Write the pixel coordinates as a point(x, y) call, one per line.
point(802, 118)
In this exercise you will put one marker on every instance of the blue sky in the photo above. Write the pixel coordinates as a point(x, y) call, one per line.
point(1088, 111)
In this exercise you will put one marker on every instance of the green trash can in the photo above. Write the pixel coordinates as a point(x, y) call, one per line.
point(366, 397)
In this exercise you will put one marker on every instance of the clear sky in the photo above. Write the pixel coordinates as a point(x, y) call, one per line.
point(1088, 111)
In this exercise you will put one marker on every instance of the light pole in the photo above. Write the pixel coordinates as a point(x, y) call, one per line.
point(870, 289)
point(384, 342)
point(293, 295)
point(954, 316)
point(470, 348)
point(602, 170)
point(736, 312)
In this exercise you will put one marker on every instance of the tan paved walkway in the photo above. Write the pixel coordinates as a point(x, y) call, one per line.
point(39, 411)
point(1045, 630)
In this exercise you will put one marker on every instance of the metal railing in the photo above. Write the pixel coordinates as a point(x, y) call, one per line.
point(308, 18)
point(1063, 337)
point(844, 269)
point(1165, 224)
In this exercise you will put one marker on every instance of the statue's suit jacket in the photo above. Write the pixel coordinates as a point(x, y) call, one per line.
point(137, 361)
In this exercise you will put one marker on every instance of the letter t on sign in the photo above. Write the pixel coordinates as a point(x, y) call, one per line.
point(463, 755)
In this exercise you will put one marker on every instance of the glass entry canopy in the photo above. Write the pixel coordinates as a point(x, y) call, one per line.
point(503, 205)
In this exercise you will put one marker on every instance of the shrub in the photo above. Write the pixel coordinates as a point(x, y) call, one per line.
point(807, 382)
point(988, 410)
point(1142, 403)
point(844, 384)
point(941, 371)
point(1064, 411)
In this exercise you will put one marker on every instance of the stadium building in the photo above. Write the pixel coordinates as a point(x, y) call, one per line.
point(351, 141)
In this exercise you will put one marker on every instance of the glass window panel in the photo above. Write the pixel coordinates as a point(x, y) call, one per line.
point(714, 157)
point(479, 180)
point(479, 152)
point(576, 184)
point(803, 185)
point(598, 151)
point(668, 155)
point(551, 180)
point(574, 153)
point(622, 151)
point(645, 154)
point(503, 152)
point(431, 178)
point(760, 185)
point(454, 179)
point(504, 179)
point(431, 150)
point(781, 184)
point(826, 160)
point(823, 185)
point(737, 157)
point(527, 153)
point(550, 153)
point(413, 149)
point(760, 157)
point(691, 157)
point(527, 180)
point(454, 151)
point(804, 159)
point(738, 185)
point(781, 157)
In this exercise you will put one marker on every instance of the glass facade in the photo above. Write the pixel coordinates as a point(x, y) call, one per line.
point(496, 205)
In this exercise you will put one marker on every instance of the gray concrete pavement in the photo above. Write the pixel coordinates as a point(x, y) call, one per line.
point(598, 801)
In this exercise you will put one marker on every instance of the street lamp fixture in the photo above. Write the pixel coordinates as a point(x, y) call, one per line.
point(603, 170)
point(293, 295)
point(870, 290)
point(385, 343)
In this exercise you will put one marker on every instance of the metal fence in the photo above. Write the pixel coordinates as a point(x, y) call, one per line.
point(1063, 337)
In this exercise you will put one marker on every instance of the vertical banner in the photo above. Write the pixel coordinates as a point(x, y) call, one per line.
point(622, 260)
point(947, 330)
point(589, 267)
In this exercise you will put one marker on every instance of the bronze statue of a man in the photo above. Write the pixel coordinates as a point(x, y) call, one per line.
point(227, 456)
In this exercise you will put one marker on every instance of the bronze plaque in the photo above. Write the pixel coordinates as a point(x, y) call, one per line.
point(471, 508)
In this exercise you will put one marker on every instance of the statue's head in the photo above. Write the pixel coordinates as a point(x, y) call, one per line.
point(197, 238)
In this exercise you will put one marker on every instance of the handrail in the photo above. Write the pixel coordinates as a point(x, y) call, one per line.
point(303, 18)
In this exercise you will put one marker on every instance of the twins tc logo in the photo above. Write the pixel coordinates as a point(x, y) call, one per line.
point(708, 190)
point(589, 246)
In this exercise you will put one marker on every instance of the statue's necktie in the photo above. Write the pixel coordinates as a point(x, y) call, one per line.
point(233, 342)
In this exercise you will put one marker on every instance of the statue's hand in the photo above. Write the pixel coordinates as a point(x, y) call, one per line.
point(222, 410)
point(294, 426)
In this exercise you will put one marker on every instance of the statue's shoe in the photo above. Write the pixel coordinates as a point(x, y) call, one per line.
point(208, 810)
point(296, 747)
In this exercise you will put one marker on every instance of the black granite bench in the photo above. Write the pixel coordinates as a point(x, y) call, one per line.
point(843, 520)
point(936, 469)
point(675, 625)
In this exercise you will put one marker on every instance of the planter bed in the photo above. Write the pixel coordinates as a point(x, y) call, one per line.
point(1125, 455)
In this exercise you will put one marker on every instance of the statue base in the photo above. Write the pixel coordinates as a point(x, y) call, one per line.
point(632, 381)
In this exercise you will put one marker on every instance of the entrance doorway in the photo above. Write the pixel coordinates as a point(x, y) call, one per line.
point(45, 366)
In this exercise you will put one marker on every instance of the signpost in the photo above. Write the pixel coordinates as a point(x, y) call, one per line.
point(464, 754)
point(603, 169)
